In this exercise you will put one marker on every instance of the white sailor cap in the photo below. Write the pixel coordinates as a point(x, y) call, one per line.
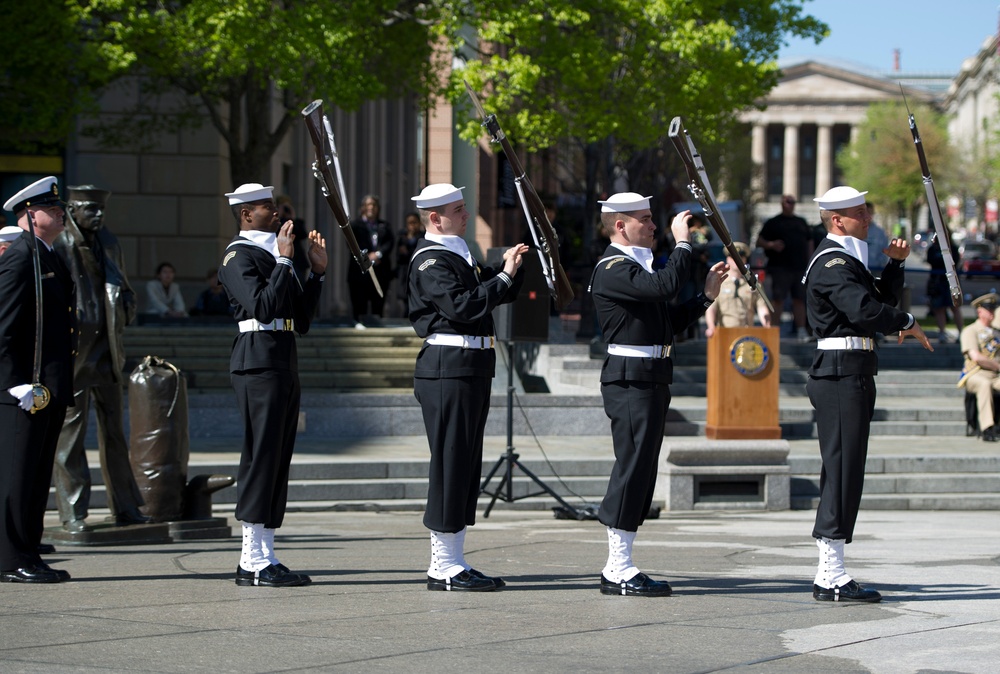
point(625, 202)
point(840, 197)
point(437, 194)
point(249, 192)
point(9, 233)
point(44, 191)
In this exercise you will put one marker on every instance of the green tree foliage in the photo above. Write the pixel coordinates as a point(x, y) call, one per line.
point(883, 159)
point(250, 66)
point(608, 76)
point(48, 74)
point(584, 71)
point(596, 69)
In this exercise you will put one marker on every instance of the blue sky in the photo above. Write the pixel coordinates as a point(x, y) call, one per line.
point(932, 35)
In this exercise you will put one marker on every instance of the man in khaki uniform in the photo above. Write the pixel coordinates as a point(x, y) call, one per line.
point(980, 343)
point(737, 303)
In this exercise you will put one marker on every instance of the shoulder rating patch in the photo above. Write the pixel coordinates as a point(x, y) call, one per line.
point(228, 258)
point(427, 264)
point(834, 262)
point(613, 262)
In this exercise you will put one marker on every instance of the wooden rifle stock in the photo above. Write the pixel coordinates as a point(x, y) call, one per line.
point(701, 189)
point(314, 119)
point(542, 231)
point(940, 228)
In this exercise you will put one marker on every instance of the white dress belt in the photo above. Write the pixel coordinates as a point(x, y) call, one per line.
point(633, 351)
point(464, 341)
point(846, 344)
point(278, 324)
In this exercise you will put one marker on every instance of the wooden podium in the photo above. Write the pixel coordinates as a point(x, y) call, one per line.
point(743, 384)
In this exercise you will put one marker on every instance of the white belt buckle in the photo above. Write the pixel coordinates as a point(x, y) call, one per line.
point(469, 343)
point(858, 343)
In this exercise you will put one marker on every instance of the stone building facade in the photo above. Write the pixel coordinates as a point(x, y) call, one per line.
point(814, 112)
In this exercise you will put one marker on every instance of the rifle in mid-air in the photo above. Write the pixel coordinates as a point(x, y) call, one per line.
point(326, 156)
point(701, 189)
point(544, 234)
point(940, 228)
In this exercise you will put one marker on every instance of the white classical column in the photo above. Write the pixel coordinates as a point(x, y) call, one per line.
point(790, 169)
point(854, 133)
point(758, 157)
point(824, 158)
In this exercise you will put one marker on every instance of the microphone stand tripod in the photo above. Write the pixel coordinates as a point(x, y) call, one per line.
point(509, 459)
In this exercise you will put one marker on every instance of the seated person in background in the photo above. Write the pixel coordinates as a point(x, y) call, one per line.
point(737, 303)
point(213, 301)
point(163, 295)
point(980, 344)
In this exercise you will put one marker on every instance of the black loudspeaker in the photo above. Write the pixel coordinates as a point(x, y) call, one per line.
point(526, 319)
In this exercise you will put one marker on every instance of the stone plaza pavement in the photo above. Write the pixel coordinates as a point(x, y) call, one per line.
point(742, 600)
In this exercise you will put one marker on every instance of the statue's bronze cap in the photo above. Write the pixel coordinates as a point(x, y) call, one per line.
point(87, 193)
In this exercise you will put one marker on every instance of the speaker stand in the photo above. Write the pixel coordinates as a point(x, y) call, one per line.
point(509, 459)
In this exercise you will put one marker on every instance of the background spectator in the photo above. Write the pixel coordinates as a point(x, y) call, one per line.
point(787, 241)
point(939, 292)
point(163, 295)
point(374, 235)
point(213, 300)
point(407, 240)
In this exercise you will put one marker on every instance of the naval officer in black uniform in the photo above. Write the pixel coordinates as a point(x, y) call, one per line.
point(639, 328)
point(29, 432)
point(271, 306)
point(451, 297)
point(846, 307)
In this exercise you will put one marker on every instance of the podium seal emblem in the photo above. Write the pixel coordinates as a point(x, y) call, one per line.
point(749, 355)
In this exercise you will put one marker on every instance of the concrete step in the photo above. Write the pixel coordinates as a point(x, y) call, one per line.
point(307, 352)
point(691, 382)
point(319, 481)
point(387, 483)
point(910, 483)
point(333, 359)
point(351, 381)
point(356, 364)
point(395, 412)
point(962, 501)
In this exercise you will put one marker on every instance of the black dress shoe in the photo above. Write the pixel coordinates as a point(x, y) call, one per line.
point(63, 575)
point(851, 591)
point(990, 434)
point(31, 574)
point(46, 549)
point(131, 516)
point(284, 569)
point(496, 580)
point(463, 582)
point(270, 576)
point(639, 585)
point(77, 527)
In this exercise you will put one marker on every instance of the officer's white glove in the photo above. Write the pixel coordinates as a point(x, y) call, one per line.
point(25, 399)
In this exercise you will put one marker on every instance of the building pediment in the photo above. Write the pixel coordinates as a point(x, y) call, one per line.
point(816, 83)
